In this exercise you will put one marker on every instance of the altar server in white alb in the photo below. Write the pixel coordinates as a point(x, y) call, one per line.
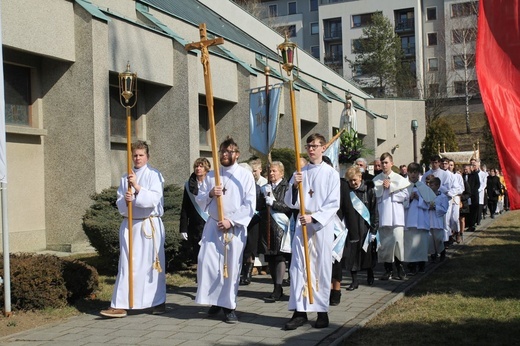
point(321, 187)
point(417, 224)
point(146, 195)
point(223, 242)
point(391, 193)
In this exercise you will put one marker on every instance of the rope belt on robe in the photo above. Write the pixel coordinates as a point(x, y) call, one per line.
point(226, 241)
point(156, 264)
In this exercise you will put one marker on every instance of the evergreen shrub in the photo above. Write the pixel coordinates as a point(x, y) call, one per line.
point(81, 279)
point(36, 282)
point(102, 220)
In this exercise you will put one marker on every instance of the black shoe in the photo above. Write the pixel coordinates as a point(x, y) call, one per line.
point(353, 286)
point(400, 272)
point(412, 269)
point(421, 267)
point(276, 295)
point(159, 309)
point(433, 257)
point(322, 321)
point(213, 310)
point(298, 320)
point(443, 255)
point(370, 278)
point(386, 276)
point(335, 297)
point(231, 317)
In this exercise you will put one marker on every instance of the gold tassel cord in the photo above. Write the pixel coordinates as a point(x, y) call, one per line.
point(227, 240)
point(157, 263)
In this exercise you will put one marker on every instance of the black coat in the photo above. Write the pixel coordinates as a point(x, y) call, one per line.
point(493, 187)
point(355, 257)
point(275, 232)
point(474, 185)
point(190, 220)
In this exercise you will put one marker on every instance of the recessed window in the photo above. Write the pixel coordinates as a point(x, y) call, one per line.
point(433, 89)
point(433, 64)
point(315, 29)
point(464, 9)
point(432, 39)
point(463, 61)
point(17, 84)
point(291, 8)
point(273, 10)
point(460, 87)
point(431, 13)
point(464, 35)
point(315, 51)
point(314, 5)
point(361, 20)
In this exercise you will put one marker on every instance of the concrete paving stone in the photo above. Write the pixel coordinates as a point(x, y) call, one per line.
point(128, 340)
point(128, 333)
point(159, 334)
point(162, 342)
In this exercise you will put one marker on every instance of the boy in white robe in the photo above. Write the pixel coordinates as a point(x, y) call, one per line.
point(149, 281)
point(417, 224)
point(391, 193)
point(320, 184)
point(238, 193)
point(438, 211)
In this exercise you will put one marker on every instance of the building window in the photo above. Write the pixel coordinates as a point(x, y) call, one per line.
point(273, 10)
point(357, 45)
point(463, 35)
point(464, 9)
point(334, 53)
point(433, 64)
point(314, 5)
point(315, 29)
point(291, 29)
point(361, 20)
point(333, 28)
point(461, 62)
point(17, 84)
point(408, 45)
point(291, 8)
point(432, 39)
point(203, 124)
point(431, 13)
point(460, 87)
point(315, 51)
point(433, 89)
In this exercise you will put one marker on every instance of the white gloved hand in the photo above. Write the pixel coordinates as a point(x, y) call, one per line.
point(267, 190)
point(372, 237)
point(184, 235)
point(269, 200)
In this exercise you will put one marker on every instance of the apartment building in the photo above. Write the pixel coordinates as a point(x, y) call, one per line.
point(437, 37)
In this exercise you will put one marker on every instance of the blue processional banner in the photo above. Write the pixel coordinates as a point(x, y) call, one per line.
point(332, 152)
point(262, 138)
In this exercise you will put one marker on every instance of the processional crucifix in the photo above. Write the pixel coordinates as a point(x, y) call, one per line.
point(203, 45)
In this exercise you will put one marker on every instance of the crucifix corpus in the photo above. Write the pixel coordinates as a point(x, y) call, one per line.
point(203, 45)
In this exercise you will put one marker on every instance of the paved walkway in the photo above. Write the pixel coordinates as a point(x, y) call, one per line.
point(261, 323)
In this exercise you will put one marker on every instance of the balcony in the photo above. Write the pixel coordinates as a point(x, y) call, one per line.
point(332, 35)
point(405, 26)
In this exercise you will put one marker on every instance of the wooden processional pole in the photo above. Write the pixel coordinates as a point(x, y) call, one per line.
point(203, 45)
point(300, 191)
point(128, 99)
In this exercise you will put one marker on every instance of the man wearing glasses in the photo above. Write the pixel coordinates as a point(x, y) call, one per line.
point(223, 241)
point(320, 186)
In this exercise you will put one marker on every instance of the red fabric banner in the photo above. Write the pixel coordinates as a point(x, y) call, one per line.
point(498, 71)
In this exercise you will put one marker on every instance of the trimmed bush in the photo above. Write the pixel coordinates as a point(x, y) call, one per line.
point(36, 282)
point(81, 279)
point(102, 221)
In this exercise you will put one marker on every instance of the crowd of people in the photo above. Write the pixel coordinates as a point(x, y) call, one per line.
point(311, 227)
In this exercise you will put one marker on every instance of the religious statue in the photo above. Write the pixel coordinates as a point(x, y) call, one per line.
point(348, 116)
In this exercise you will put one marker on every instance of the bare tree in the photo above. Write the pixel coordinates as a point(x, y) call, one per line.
point(460, 40)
